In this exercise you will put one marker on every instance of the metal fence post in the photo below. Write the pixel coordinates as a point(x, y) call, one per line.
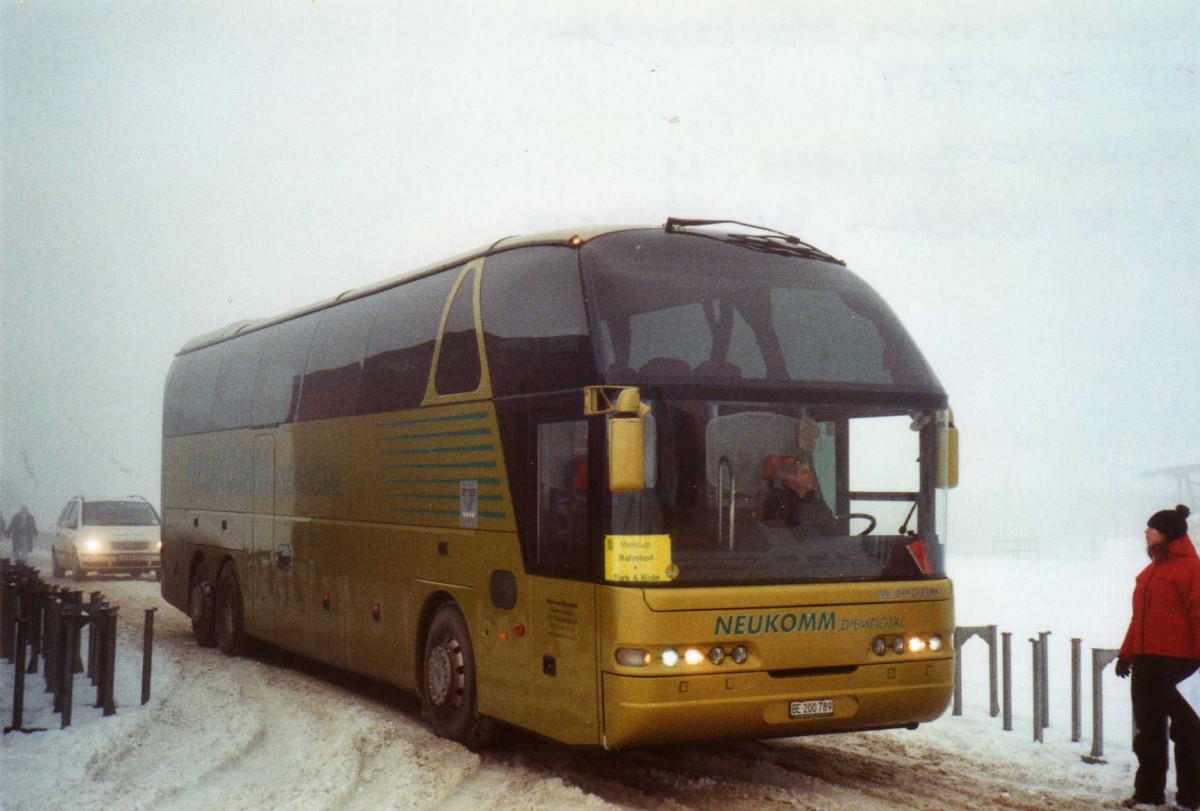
point(1077, 689)
point(147, 653)
point(1044, 652)
point(1100, 659)
point(1007, 637)
point(1038, 724)
point(18, 710)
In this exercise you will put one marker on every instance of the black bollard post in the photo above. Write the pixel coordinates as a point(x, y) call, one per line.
point(70, 642)
point(108, 660)
point(37, 608)
point(19, 678)
point(147, 653)
point(7, 614)
point(94, 603)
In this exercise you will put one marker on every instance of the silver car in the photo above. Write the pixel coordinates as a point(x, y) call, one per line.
point(107, 536)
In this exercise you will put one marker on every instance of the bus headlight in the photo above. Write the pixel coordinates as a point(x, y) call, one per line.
point(879, 646)
point(898, 645)
point(716, 655)
point(916, 644)
point(935, 643)
point(670, 657)
point(633, 657)
point(693, 656)
point(739, 655)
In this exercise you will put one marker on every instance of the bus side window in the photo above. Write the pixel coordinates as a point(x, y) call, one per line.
point(458, 366)
point(562, 497)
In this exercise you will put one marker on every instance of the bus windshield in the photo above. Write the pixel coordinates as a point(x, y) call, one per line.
point(769, 493)
point(689, 309)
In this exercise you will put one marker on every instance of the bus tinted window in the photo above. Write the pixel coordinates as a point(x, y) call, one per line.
point(234, 395)
point(189, 397)
point(688, 308)
point(400, 349)
point(534, 326)
point(459, 369)
point(334, 366)
point(277, 386)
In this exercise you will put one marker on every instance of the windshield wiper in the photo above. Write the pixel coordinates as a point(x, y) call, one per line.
point(772, 241)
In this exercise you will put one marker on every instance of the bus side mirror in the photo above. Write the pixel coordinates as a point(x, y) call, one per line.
point(947, 438)
point(626, 434)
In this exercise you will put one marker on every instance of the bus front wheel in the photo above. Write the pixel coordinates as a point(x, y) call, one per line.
point(448, 684)
point(231, 638)
point(201, 609)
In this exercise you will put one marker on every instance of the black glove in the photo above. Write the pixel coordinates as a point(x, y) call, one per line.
point(1123, 669)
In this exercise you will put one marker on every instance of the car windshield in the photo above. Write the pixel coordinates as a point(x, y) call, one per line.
point(119, 514)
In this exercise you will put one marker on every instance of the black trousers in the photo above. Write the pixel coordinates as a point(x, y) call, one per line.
point(1156, 703)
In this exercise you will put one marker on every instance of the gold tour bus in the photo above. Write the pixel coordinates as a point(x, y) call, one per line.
point(616, 486)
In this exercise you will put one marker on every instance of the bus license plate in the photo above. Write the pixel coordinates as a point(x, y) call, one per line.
point(811, 709)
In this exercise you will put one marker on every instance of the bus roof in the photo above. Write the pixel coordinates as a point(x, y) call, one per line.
point(569, 237)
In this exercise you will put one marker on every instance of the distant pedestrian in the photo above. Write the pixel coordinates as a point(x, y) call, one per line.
point(22, 529)
point(1161, 649)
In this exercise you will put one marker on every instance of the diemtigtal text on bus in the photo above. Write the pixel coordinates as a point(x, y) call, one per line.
point(617, 486)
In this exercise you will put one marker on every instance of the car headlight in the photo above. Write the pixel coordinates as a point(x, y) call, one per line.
point(92, 545)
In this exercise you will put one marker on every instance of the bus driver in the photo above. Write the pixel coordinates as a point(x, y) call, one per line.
point(790, 498)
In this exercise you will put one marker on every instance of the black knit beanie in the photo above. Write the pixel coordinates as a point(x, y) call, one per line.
point(1171, 523)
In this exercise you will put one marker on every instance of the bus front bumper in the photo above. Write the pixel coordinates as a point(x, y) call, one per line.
point(640, 711)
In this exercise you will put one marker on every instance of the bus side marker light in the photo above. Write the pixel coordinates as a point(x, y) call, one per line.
point(633, 657)
point(503, 636)
point(376, 612)
point(519, 630)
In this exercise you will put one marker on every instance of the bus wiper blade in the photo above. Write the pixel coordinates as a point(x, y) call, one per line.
point(771, 241)
point(783, 245)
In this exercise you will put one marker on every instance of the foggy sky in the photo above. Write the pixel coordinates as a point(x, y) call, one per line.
point(1019, 182)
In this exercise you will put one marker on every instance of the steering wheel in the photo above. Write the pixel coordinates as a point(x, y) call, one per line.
point(870, 518)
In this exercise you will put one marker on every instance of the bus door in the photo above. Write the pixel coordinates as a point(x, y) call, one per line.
point(563, 606)
point(260, 575)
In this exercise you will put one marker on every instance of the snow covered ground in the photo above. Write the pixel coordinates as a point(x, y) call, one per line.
point(271, 731)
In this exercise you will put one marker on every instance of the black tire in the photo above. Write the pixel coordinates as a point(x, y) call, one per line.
point(57, 568)
point(200, 607)
point(231, 636)
point(448, 681)
point(77, 570)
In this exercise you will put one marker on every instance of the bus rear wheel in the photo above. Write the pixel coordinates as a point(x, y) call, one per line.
point(200, 608)
point(231, 638)
point(448, 683)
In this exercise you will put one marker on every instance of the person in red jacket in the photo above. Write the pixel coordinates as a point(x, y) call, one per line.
point(1161, 649)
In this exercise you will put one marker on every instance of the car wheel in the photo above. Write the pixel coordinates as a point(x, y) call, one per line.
point(231, 637)
point(200, 607)
point(448, 683)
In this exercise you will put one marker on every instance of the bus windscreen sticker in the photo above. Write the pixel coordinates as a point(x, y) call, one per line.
point(468, 503)
point(638, 559)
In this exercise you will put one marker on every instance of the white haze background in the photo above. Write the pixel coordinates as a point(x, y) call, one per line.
point(1019, 180)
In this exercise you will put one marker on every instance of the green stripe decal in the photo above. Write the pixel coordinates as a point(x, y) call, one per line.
point(444, 466)
point(475, 415)
point(450, 449)
point(438, 435)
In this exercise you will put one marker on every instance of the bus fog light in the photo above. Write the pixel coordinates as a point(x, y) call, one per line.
point(935, 643)
point(693, 656)
point(739, 655)
point(670, 657)
point(633, 657)
point(916, 644)
point(716, 655)
point(898, 645)
point(879, 646)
